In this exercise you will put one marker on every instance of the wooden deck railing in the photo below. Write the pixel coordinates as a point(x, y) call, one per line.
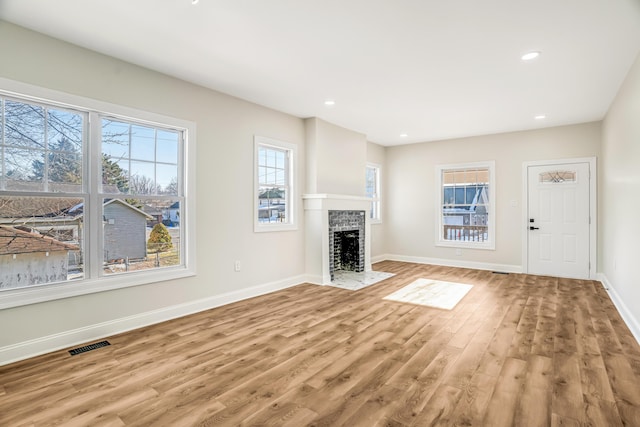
point(466, 233)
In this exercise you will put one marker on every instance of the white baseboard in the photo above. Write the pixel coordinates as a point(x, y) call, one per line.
point(313, 279)
point(506, 268)
point(26, 349)
point(379, 258)
point(632, 323)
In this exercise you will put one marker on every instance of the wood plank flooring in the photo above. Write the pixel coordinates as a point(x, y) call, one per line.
point(518, 350)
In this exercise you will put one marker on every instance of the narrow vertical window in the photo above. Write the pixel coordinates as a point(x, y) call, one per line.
point(274, 162)
point(372, 191)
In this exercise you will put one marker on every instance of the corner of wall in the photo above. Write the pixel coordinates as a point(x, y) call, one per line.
point(627, 315)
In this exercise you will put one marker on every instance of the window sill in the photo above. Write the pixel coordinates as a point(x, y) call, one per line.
point(467, 245)
point(266, 228)
point(54, 291)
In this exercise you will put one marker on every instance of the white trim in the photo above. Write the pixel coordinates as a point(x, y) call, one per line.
point(322, 196)
point(627, 315)
point(490, 244)
point(292, 172)
point(503, 268)
point(66, 100)
point(593, 208)
point(379, 258)
point(316, 211)
point(31, 348)
point(313, 279)
point(53, 291)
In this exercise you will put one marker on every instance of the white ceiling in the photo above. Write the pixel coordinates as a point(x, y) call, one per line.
point(430, 69)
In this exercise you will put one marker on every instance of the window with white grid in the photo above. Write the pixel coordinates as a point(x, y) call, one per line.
point(274, 162)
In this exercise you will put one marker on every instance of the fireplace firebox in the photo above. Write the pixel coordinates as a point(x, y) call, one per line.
point(346, 241)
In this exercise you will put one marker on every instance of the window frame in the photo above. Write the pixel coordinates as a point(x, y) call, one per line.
point(490, 243)
point(376, 200)
point(94, 280)
point(290, 179)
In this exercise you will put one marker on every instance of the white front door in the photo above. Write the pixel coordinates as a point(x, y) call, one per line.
point(558, 220)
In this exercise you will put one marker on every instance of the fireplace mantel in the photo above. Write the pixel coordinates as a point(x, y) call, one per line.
point(316, 209)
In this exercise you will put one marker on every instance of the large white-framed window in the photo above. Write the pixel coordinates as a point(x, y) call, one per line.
point(274, 190)
point(466, 203)
point(372, 190)
point(93, 196)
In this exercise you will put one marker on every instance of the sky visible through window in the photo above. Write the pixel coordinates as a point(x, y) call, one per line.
point(41, 147)
point(46, 154)
point(149, 156)
point(272, 184)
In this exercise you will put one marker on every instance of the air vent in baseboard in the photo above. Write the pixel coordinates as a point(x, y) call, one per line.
point(89, 347)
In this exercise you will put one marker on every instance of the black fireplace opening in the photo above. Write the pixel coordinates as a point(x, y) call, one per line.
point(346, 250)
point(346, 241)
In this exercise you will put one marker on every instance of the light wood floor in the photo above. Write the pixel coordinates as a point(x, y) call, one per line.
point(517, 350)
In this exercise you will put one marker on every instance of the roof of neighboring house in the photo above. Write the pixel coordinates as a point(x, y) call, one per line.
point(140, 211)
point(25, 210)
point(78, 209)
point(14, 241)
point(40, 207)
point(152, 210)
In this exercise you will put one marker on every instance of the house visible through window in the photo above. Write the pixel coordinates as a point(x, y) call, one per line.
point(372, 190)
point(61, 223)
point(274, 190)
point(140, 167)
point(467, 206)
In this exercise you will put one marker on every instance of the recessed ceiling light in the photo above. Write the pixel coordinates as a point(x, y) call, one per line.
point(531, 55)
point(404, 135)
point(540, 117)
point(329, 102)
point(194, 1)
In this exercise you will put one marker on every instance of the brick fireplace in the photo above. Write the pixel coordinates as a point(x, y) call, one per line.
point(336, 224)
point(346, 241)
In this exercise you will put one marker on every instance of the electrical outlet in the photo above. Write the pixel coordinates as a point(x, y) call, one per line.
point(458, 252)
point(237, 266)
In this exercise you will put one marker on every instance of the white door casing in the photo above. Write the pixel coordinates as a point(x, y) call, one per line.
point(559, 219)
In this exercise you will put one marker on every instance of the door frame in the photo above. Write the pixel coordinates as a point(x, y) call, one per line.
point(593, 209)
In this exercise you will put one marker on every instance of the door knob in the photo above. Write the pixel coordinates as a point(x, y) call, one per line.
point(534, 228)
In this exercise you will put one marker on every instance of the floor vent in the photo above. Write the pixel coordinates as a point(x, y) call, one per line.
point(89, 347)
point(499, 272)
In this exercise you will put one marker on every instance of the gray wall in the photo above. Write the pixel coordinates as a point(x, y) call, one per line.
point(127, 236)
point(336, 159)
point(620, 198)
